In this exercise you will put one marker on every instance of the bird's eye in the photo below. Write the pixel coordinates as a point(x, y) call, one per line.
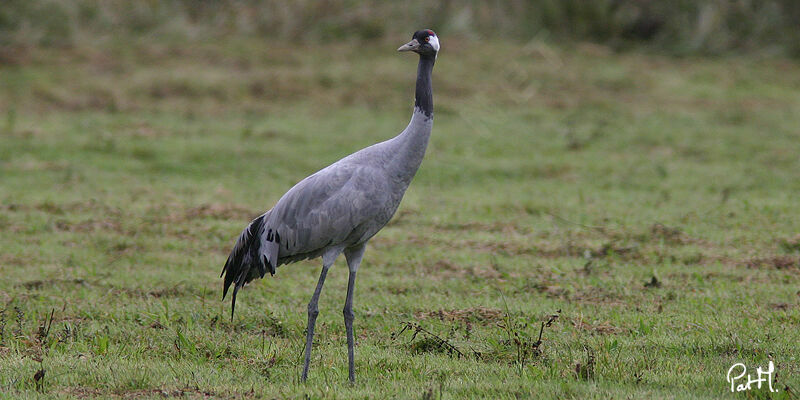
point(428, 39)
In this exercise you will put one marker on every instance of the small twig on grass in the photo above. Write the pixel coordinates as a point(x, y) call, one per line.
point(263, 339)
point(20, 321)
point(38, 379)
point(417, 329)
point(550, 320)
point(791, 392)
point(44, 328)
point(518, 336)
point(2, 326)
point(586, 372)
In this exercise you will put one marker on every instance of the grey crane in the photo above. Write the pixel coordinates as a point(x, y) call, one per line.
point(339, 208)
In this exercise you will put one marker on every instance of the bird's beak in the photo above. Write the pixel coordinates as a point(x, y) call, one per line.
point(410, 46)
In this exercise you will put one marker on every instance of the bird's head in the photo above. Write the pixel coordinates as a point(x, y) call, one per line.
point(424, 43)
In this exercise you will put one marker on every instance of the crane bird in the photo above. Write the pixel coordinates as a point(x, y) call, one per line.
point(339, 208)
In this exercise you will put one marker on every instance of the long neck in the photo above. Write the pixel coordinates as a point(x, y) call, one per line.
point(409, 146)
point(423, 98)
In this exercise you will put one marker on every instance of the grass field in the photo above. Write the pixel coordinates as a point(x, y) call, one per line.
point(650, 203)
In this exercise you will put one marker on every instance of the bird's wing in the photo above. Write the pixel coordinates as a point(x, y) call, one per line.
point(328, 208)
point(337, 205)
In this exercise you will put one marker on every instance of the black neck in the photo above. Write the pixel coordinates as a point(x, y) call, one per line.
point(423, 99)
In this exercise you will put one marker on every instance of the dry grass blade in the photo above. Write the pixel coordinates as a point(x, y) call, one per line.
point(437, 341)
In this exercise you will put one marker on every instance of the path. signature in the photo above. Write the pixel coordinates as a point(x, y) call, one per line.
point(762, 377)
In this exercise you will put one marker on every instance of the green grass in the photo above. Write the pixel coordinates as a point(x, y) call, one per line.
point(556, 179)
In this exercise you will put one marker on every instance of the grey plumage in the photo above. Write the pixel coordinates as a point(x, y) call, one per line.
point(341, 205)
point(339, 208)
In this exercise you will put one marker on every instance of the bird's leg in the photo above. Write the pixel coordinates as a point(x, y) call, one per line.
point(313, 309)
point(353, 256)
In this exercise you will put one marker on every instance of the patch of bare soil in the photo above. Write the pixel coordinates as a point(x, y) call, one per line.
point(495, 227)
point(486, 271)
point(552, 291)
point(443, 269)
point(14, 55)
point(473, 314)
point(446, 268)
point(565, 250)
point(510, 248)
point(90, 225)
point(597, 327)
point(62, 208)
point(774, 262)
point(596, 295)
point(38, 284)
point(81, 392)
point(12, 260)
point(605, 250)
point(172, 291)
point(682, 278)
point(86, 392)
point(669, 234)
point(213, 211)
point(780, 306)
point(220, 211)
point(791, 245)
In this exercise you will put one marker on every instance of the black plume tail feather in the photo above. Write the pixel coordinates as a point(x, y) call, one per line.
point(244, 264)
